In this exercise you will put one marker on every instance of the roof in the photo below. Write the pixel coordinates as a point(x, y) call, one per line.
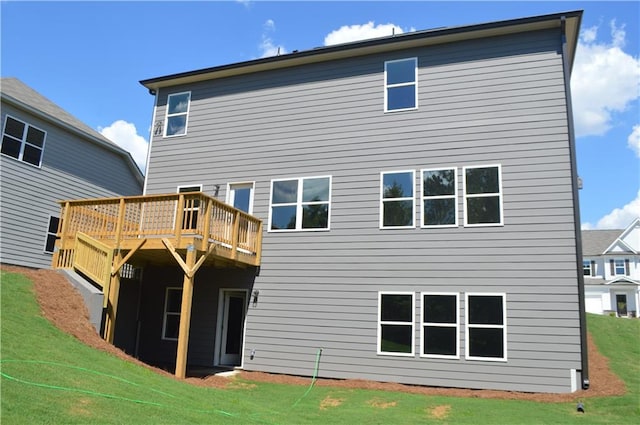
point(570, 21)
point(14, 91)
point(596, 242)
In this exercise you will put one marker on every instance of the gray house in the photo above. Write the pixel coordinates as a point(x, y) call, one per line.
point(48, 155)
point(418, 199)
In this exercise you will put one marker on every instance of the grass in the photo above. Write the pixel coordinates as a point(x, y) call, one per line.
point(50, 377)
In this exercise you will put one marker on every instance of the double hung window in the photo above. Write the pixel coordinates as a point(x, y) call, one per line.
point(171, 318)
point(588, 268)
point(397, 202)
point(486, 330)
point(483, 196)
point(619, 267)
point(395, 323)
point(440, 324)
point(439, 206)
point(177, 114)
point(300, 204)
point(401, 85)
point(52, 231)
point(22, 141)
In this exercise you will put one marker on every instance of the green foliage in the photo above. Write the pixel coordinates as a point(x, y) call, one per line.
point(50, 377)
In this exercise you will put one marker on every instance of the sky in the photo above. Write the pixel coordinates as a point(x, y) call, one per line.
point(88, 58)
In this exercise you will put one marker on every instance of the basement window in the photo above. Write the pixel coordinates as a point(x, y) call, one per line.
point(486, 333)
point(171, 318)
point(395, 323)
point(440, 325)
point(52, 234)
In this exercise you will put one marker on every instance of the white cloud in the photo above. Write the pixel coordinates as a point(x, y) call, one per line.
point(348, 33)
point(634, 140)
point(619, 218)
point(267, 46)
point(125, 135)
point(605, 80)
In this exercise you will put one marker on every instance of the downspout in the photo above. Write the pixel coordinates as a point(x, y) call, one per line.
point(576, 209)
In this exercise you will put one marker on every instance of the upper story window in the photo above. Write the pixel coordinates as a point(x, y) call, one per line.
point(486, 333)
point(440, 322)
point(300, 204)
point(619, 267)
point(588, 267)
point(401, 84)
point(177, 114)
point(439, 206)
point(397, 204)
point(52, 230)
point(483, 196)
point(22, 141)
point(395, 323)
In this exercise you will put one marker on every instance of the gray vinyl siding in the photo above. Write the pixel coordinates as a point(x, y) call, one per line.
point(71, 169)
point(492, 101)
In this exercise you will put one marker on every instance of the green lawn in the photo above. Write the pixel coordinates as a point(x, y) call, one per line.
point(50, 377)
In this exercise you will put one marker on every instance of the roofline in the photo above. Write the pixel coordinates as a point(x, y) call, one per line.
point(380, 45)
point(623, 233)
point(108, 145)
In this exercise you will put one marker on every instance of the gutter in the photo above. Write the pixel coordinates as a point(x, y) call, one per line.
point(576, 208)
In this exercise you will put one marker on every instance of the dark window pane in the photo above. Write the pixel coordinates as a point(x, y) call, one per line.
point(11, 147)
point(396, 308)
point(483, 210)
point(51, 243)
point(401, 71)
point(176, 125)
point(172, 326)
point(35, 137)
point(482, 180)
point(486, 343)
point(439, 340)
point(242, 198)
point(31, 155)
point(315, 216)
point(396, 339)
point(485, 310)
point(14, 128)
point(174, 300)
point(53, 225)
point(315, 190)
point(439, 212)
point(179, 103)
point(439, 308)
point(397, 185)
point(439, 182)
point(402, 97)
point(284, 192)
point(283, 217)
point(397, 213)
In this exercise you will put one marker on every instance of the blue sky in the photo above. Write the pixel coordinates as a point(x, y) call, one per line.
point(88, 57)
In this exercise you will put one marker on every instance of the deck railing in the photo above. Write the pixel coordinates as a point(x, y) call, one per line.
point(174, 216)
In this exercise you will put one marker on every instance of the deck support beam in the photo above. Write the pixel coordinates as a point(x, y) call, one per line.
point(112, 303)
point(185, 314)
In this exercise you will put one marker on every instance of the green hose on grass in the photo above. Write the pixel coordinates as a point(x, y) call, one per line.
point(313, 380)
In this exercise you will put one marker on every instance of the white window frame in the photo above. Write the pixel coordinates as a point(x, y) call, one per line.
point(380, 323)
point(23, 141)
point(50, 234)
point(412, 199)
point(423, 198)
point(455, 325)
point(231, 188)
point(166, 313)
point(191, 210)
point(479, 326)
point(483, 195)
point(617, 261)
point(587, 264)
point(391, 86)
point(167, 115)
point(299, 204)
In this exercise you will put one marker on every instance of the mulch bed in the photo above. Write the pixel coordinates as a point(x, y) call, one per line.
point(61, 304)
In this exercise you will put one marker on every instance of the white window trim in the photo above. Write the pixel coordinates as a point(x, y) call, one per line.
point(229, 199)
point(23, 141)
point(413, 199)
point(482, 195)
point(167, 115)
point(414, 83)
point(503, 326)
point(165, 313)
point(299, 204)
point(454, 196)
point(380, 323)
point(443, 325)
point(591, 267)
point(47, 234)
point(615, 267)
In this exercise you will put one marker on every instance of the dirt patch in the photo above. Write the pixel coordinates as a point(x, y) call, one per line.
point(63, 306)
point(439, 412)
point(329, 401)
point(381, 404)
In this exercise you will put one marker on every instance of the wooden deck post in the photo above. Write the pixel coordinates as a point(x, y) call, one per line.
point(112, 304)
point(185, 314)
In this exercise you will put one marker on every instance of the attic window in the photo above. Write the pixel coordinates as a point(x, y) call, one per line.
point(177, 114)
point(400, 84)
point(22, 141)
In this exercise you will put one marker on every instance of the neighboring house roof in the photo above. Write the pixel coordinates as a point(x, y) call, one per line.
point(620, 280)
point(596, 242)
point(15, 92)
point(569, 20)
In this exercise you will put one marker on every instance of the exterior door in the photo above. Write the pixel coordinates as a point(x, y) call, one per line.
point(232, 327)
point(621, 304)
point(240, 195)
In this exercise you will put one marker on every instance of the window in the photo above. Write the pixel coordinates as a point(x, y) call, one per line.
point(400, 84)
point(177, 114)
point(52, 230)
point(396, 199)
point(172, 306)
point(240, 195)
point(395, 323)
point(300, 204)
point(619, 267)
point(191, 207)
point(439, 207)
point(486, 331)
point(589, 267)
point(483, 196)
point(22, 141)
point(439, 337)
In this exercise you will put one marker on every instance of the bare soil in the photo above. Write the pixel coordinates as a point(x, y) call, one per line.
point(61, 304)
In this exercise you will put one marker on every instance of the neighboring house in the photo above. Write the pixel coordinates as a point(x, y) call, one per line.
point(612, 270)
point(49, 155)
point(418, 194)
